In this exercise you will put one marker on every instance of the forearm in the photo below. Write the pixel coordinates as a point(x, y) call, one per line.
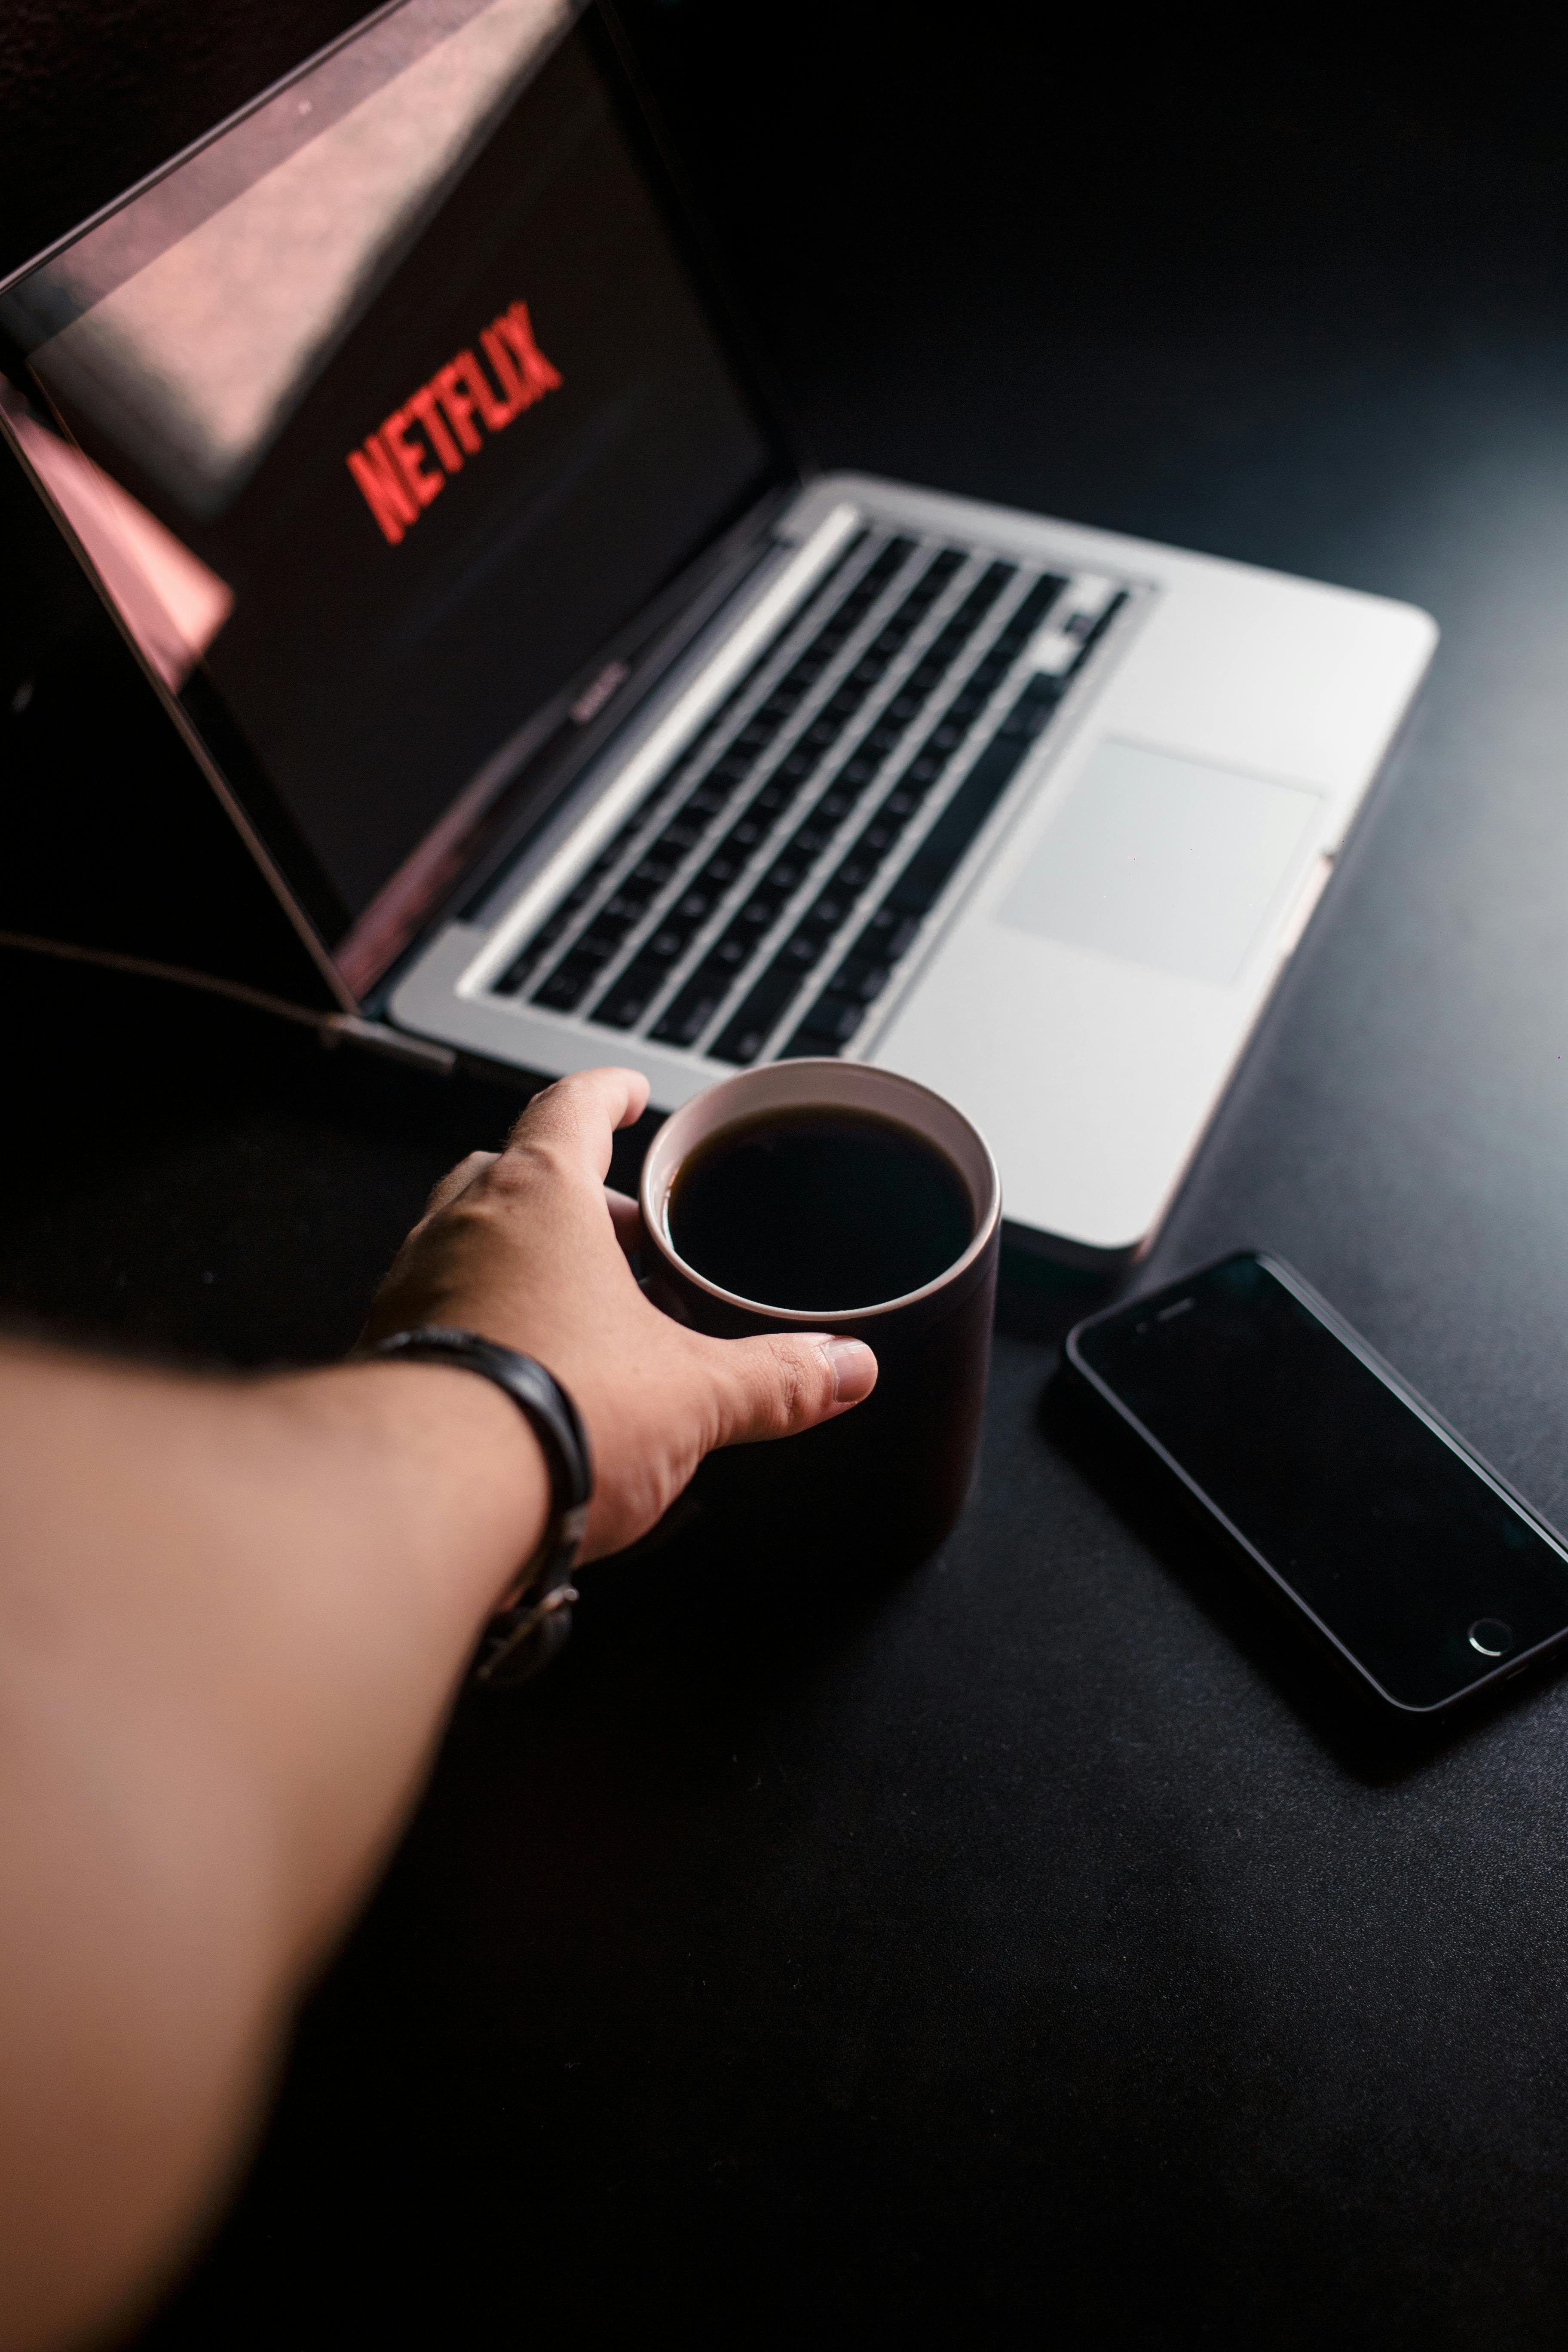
point(231, 1617)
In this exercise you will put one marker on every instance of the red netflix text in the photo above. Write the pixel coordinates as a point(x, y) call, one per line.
point(441, 421)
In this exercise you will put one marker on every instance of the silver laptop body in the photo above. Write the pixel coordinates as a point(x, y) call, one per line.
point(1070, 930)
point(1031, 813)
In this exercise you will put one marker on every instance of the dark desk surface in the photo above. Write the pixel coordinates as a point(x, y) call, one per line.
point(1037, 1941)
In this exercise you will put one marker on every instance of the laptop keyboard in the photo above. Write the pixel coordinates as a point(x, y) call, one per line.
point(757, 900)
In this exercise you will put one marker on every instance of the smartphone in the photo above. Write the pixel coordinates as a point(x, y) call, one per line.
point(1396, 1543)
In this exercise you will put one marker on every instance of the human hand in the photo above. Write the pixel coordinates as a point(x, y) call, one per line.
point(528, 1246)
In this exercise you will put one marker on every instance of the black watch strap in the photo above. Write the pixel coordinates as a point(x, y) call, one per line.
point(534, 1619)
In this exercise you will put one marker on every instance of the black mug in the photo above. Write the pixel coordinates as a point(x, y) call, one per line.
point(879, 1487)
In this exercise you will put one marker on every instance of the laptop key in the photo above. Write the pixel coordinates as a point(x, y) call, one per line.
point(688, 1016)
point(835, 805)
point(834, 1019)
point(628, 999)
point(809, 840)
point(827, 1029)
point(560, 922)
point(888, 936)
point(572, 979)
point(521, 966)
point(1094, 636)
point(742, 1038)
point(1034, 707)
point(934, 863)
point(823, 919)
point(694, 1005)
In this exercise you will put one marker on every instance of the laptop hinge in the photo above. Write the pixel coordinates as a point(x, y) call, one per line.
point(376, 1037)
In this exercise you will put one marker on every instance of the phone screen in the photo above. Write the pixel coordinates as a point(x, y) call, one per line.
point(1401, 1544)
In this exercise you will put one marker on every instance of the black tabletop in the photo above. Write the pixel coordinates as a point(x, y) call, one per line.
point(1038, 1944)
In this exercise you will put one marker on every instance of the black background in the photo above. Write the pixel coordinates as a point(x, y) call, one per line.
point(1041, 1947)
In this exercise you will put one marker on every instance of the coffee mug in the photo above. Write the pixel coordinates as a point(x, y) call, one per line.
point(880, 1487)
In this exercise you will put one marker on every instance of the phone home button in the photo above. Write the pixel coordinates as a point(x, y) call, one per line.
point(1492, 1637)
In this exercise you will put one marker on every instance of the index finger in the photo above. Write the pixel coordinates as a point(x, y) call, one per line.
point(578, 1116)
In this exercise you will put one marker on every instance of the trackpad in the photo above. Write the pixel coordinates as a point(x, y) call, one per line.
point(1163, 861)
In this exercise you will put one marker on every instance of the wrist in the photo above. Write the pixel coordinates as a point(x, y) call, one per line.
point(461, 1477)
point(535, 1617)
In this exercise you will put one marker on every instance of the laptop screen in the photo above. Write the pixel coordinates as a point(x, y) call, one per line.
point(383, 414)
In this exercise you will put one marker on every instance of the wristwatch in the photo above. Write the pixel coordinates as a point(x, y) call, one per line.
point(532, 1621)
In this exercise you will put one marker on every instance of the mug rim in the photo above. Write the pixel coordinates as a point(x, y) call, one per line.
point(656, 1214)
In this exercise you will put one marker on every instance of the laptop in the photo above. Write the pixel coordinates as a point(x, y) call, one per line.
point(576, 719)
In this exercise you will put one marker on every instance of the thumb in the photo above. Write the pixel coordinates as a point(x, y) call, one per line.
point(788, 1382)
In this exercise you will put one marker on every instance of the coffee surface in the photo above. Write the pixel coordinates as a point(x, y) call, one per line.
point(815, 1209)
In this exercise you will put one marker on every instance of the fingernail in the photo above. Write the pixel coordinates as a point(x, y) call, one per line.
point(854, 1370)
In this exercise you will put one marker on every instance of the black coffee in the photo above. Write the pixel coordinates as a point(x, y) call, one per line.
point(818, 1210)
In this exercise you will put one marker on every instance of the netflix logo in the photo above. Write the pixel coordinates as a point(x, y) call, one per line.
point(405, 464)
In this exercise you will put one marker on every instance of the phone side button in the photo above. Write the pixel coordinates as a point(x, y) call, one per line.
point(1490, 1637)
